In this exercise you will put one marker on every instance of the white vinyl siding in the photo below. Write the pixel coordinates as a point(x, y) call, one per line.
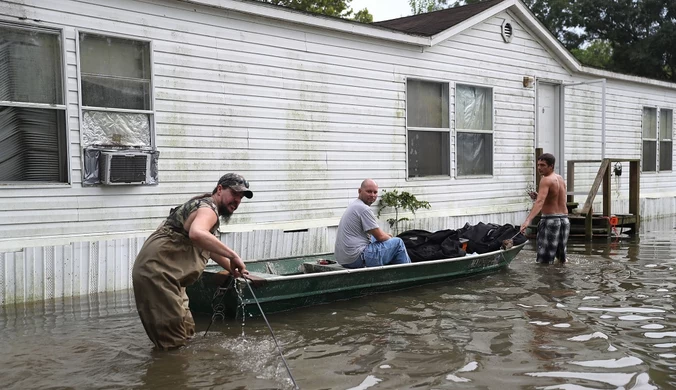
point(33, 138)
point(305, 114)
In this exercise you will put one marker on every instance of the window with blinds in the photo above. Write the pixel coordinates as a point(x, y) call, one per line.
point(33, 133)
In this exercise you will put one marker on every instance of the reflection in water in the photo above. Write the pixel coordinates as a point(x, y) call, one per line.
point(604, 320)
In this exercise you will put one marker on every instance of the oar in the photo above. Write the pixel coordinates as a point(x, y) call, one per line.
point(288, 370)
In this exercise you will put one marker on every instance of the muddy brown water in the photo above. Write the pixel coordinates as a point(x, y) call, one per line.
point(606, 320)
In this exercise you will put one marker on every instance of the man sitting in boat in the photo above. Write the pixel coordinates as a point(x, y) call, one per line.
point(174, 257)
point(360, 242)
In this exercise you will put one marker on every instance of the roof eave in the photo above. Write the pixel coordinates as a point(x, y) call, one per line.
point(471, 22)
point(318, 21)
point(547, 38)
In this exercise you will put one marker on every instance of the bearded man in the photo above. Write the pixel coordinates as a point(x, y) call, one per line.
point(174, 256)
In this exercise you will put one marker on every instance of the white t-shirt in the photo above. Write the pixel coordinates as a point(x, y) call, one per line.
point(352, 238)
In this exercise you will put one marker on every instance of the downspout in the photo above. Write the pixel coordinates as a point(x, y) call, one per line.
point(603, 119)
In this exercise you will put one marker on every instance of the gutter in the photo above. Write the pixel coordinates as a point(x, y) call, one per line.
point(269, 11)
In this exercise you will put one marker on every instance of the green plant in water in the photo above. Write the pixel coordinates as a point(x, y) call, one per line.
point(400, 201)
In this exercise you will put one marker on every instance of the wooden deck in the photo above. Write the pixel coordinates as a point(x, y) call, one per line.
point(589, 223)
point(600, 226)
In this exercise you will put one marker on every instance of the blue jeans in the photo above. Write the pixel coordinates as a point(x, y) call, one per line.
point(379, 253)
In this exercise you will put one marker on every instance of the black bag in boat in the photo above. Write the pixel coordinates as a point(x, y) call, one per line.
point(422, 245)
point(483, 238)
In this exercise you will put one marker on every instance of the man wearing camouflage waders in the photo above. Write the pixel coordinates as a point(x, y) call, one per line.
point(175, 255)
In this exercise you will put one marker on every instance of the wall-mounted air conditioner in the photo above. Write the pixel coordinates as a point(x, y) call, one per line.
point(125, 167)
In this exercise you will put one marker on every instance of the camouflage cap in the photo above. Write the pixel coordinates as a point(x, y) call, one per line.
point(236, 183)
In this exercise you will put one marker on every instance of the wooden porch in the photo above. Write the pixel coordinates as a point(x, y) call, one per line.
point(584, 221)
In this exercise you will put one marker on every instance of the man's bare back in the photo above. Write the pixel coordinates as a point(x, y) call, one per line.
point(555, 201)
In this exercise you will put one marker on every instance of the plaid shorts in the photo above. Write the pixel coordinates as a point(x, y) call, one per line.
point(553, 232)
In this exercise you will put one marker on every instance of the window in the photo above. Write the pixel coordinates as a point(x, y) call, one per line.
point(649, 139)
point(116, 92)
point(474, 130)
point(657, 145)
point(666, 135)
point(33, 134)
point(428, 128)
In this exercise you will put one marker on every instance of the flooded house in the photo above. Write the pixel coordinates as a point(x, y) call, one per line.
point(112, 113)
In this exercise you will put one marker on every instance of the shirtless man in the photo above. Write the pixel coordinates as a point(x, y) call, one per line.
point(554, 227)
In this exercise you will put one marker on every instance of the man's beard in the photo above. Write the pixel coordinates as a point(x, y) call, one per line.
point(224, 213)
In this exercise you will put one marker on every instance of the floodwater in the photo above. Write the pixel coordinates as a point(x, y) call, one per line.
point(605, 320)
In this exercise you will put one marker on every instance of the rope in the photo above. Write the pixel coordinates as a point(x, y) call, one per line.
point(218, 308)
point(288, 370)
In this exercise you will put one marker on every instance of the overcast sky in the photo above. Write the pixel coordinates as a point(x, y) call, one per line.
point(383, 9)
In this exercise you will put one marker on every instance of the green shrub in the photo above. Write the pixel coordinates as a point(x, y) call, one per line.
point(400, 201)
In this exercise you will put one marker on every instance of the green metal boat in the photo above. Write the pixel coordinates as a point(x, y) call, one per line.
point(293, 282)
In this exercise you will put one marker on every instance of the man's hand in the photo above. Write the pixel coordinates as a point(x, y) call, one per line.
point(533, 195)
point(524, 226)
point(237, 267)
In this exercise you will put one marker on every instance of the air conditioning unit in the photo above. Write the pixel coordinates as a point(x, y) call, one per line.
point(124, 167)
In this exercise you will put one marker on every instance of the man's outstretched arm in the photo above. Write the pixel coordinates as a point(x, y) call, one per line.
point(543, 190)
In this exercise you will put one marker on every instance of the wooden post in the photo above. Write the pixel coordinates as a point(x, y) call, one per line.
point(606, 190)
point(588, 225)
point(635, 193)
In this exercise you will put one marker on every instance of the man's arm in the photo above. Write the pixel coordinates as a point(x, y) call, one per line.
point(379, 234)
point(200, 235)
point(542, 193)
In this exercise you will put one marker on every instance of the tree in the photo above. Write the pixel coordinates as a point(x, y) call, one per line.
point(336, 8)
point(399, 201)
point(597, 54)
point(642, 34)
point(424, 6)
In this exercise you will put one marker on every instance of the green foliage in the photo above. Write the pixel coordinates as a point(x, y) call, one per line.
point(336, 8)
point(598, 54)
point(424, 6)
point(363, 16)
point(399, 201)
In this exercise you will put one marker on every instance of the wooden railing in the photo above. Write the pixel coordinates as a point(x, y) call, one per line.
point(603, 178)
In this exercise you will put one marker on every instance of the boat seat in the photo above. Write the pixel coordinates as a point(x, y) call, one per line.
point(314, 266)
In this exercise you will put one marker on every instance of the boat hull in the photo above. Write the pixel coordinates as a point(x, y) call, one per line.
point(291, 283)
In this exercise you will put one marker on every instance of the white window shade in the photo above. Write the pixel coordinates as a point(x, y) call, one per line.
point(474, 108)
point(474, 130)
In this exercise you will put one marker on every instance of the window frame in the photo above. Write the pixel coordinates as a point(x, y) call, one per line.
point(660, 140)
point(492, 131)
point(82, 108)
point(430, 129)
point(62, 108)
point(644, 139)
